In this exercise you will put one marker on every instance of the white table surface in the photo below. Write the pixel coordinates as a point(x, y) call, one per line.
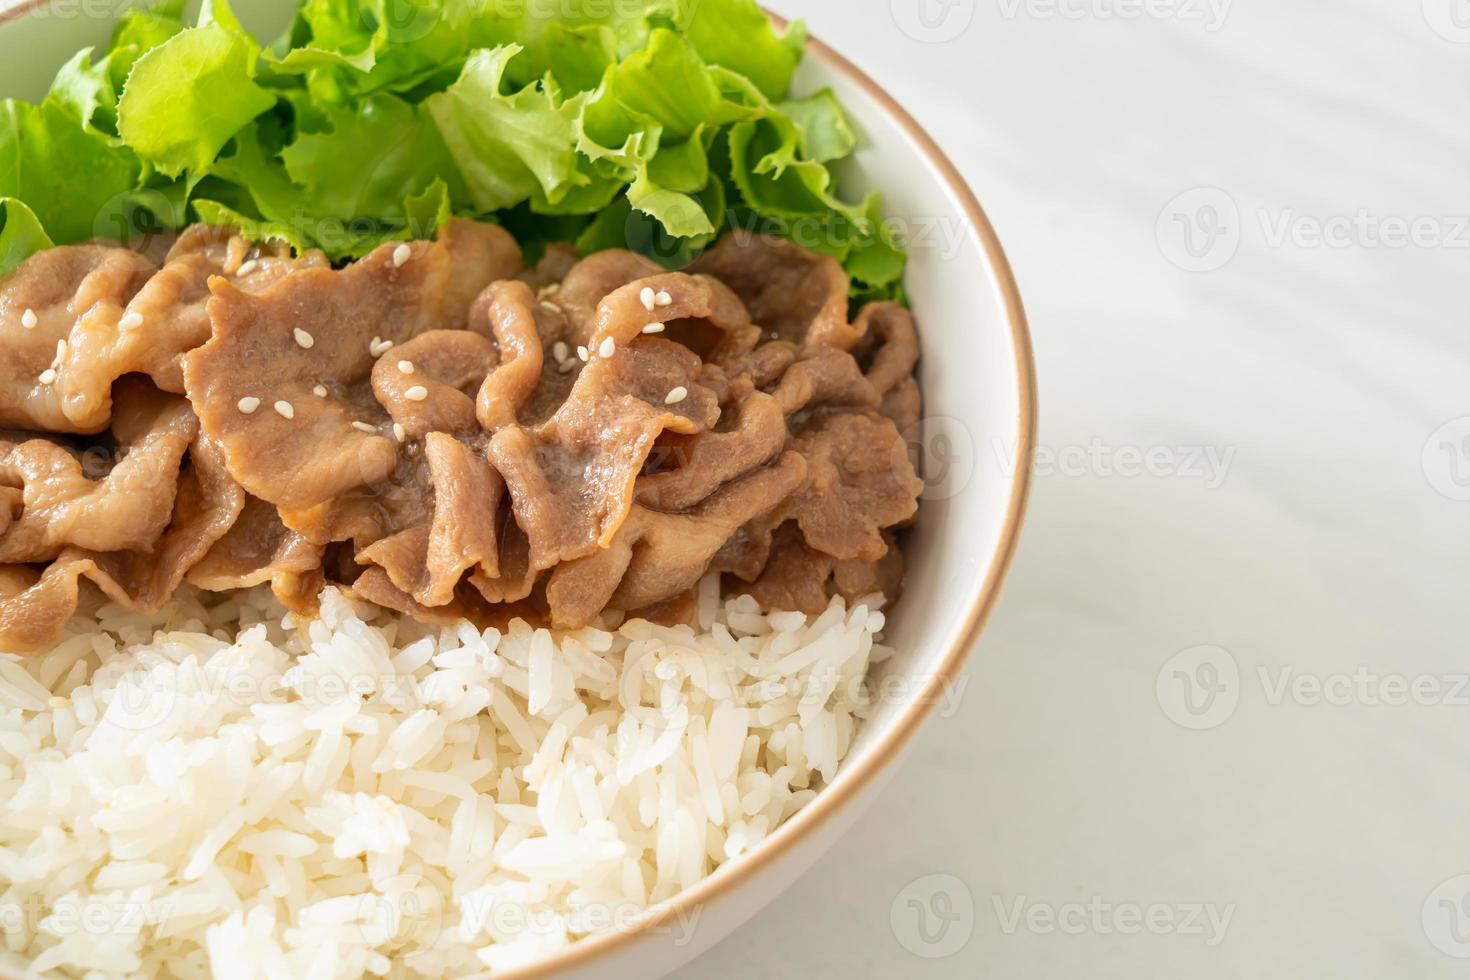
point(1316, 374)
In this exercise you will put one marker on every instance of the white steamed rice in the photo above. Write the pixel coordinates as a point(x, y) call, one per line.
point(226, 792)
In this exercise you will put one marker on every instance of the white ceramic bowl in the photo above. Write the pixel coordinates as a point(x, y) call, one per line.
point(979, 392)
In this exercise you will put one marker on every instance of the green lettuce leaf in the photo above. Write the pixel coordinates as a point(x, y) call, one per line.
point(219, 12)
point(669, 84)
point(323, 36)
point(550, 34)
point(148, 27)
point(21, 234)
point(372, 158)
point(737, 35)
point(140, 31)
point(623, 226)
point(188, 96)
point(646, 124)
point(776, 180)
point(255, 229)
point(252, 187)
point(70, 177)
point(255, 168)
point(87, 90)
point(877, 257)
point(681, 215)
point(579, 56)
point(823, 131)
point(353, 48)
point(507, 147)
point(424, 214)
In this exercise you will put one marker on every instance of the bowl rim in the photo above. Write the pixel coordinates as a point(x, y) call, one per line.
point(853, 782)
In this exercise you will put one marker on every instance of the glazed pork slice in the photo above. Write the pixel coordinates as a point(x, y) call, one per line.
point(656, 557)
point(861, 481)
point(73, 320)
point(889, 348)
point(799, 295)
point(447, 434)
point(571, 479)
point(428, 560)
point(126, 508)
point(124, 552)
point(752, 433)
point(47, 304)
point(169, 311)
point(285, 382)
point(591, 281)
point(797, 576)
point(259, 549)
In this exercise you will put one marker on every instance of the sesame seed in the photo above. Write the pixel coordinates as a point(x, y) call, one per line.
point(398, 432)
point(549, 307)
point(247, 267)
point(654, 328)
point(663, 298)
point(560, 351)
point(608, 349)
point(48, 376)
point(28, 319)
point(248, 405)
point(417, 393)
point(304, 340)
point(649, 298)
point(320, 391)
point(677, 395)
point(379, 346)
point(566, 367)
point(405, 367)
point(285, 410)
point(582, 353)
point(130, 321)
point(401, 254)
point(60, 350)
point(363, 427)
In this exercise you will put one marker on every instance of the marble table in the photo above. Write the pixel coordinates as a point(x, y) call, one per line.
point(1219, 725)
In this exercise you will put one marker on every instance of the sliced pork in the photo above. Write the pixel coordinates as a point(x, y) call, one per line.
point(443, 432)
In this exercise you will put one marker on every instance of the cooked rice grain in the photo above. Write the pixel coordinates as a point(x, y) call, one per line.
point(225, 792)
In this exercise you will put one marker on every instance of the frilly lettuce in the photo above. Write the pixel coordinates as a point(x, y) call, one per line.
point(649, 124)
point(21, 233)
